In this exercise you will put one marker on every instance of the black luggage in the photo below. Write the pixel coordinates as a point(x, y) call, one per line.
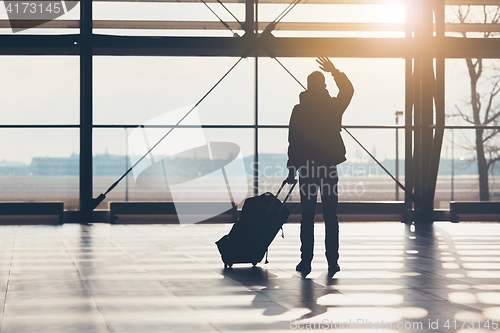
point(260, 220)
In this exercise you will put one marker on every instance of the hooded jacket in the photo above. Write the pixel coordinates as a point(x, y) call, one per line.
point(315, 125)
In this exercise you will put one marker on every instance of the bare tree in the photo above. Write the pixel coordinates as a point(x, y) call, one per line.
point(483, 105)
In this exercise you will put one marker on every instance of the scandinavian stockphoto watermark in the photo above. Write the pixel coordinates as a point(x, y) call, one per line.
point(428, 325)
point(29, 14)
point(351, 185)
point(327, 324)
point(203, 178)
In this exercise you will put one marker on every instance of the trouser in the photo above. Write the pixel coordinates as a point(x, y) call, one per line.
point(309, 188)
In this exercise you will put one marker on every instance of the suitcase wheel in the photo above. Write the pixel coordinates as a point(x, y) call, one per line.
point(254, 263)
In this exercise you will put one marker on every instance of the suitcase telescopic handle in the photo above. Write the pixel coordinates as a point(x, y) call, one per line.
point(289, 191)
point(287, 195)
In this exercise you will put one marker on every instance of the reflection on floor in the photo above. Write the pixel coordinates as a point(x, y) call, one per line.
point(167, 278)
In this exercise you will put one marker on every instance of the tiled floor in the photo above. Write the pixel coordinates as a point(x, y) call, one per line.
point(167, 278)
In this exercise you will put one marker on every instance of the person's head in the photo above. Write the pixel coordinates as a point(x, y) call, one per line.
point(316, 81)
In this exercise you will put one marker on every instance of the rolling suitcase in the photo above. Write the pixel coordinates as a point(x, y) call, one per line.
point(260, 220)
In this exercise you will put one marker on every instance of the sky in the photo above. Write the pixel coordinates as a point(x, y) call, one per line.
point(133, 90)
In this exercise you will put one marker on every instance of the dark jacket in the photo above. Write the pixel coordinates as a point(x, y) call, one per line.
point(315, 125)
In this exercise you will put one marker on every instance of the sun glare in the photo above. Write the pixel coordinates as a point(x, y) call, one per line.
point(391, 13)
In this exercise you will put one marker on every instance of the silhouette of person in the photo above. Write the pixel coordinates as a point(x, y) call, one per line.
point(315, 148)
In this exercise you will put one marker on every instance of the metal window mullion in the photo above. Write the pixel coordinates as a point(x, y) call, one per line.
point(256, 94)
point(86, 118)
point(256, 133)
point(409, 78)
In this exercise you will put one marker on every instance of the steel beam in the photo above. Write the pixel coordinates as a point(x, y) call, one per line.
point(409, 181)
point(438, 91)
point(219, 26)
point(249, 17)
point(331, 2)
point(86, 101)
point(234, 46)
point(426, 106)
point(423, 108)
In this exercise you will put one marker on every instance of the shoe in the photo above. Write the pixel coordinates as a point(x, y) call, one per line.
point(304, 267)
point(332, 270)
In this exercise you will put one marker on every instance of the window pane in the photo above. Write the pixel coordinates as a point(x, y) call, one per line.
point(474, 18)
point(133, 90)
point(459, 109)
point(458, 178)
point(110, 163)
point(361, 179)
point(328, 20)
point(40, 165)
point(378, 84)
point(166, 19)
point(39, 90)
point(460, 153)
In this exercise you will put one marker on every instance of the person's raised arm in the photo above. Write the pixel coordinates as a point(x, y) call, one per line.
point(346, 90)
